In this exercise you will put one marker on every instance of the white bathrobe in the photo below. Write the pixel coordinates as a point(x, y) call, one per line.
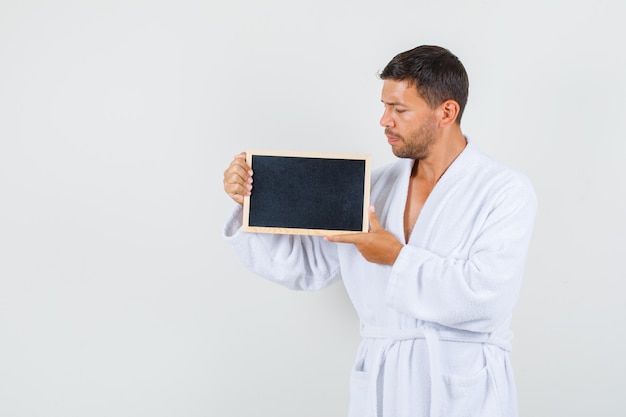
point(436, 324)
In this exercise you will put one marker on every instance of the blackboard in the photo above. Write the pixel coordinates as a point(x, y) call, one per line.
point(307, 193)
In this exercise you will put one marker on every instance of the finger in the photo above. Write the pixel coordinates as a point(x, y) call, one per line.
point(344, 237)
point(238, 171)
point(374, 223)
point(240, 167)
point(236, 189)
point(244, 162)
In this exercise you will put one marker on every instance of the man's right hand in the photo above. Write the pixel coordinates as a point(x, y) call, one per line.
point(238, 178)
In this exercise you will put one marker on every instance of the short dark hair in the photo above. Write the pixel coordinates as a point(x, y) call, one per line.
point(437, 74)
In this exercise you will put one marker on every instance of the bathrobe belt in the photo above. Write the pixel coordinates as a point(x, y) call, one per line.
point(433, 336)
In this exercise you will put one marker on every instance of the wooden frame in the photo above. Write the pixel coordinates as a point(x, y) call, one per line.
point(307, 193)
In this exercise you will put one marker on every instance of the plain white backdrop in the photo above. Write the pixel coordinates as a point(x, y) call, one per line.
point(118, 296)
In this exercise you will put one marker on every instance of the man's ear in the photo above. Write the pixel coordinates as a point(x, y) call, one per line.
point(448, 112)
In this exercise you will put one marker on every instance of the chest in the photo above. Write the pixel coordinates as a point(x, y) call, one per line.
point(418, 193)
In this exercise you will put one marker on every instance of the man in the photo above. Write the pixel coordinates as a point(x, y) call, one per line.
point(436, 278)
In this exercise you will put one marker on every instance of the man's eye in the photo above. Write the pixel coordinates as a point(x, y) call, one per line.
point(400, 110)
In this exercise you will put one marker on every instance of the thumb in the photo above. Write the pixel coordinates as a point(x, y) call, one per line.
point(374, 223)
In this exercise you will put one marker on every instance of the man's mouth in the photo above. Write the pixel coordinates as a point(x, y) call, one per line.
point(392, 136)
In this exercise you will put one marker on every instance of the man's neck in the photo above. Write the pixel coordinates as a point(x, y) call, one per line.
point(444, 151)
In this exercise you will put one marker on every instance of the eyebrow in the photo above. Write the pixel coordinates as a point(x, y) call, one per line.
point(393, 103)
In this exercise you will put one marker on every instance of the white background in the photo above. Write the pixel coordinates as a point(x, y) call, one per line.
point(118, 296)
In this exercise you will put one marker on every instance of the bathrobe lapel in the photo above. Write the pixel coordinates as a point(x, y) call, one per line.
point(420, 235)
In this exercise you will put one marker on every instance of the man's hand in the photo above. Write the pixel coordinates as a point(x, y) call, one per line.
point(377, 246)
point(238, 178)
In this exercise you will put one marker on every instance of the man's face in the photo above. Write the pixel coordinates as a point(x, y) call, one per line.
point(410, 124)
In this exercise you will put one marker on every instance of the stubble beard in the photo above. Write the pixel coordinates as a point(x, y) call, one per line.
point(418, 144)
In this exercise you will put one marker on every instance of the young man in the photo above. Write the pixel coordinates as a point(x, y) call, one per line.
point(435, 280)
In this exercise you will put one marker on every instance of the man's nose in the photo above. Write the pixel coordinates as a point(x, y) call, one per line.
point(386, 120)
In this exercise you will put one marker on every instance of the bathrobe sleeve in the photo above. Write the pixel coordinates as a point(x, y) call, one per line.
point(476, 292)
point(298, 262)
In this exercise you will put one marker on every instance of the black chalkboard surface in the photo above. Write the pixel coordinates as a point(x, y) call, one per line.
point(307, 193)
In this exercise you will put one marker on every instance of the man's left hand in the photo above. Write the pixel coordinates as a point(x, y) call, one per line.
point(377, 246)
